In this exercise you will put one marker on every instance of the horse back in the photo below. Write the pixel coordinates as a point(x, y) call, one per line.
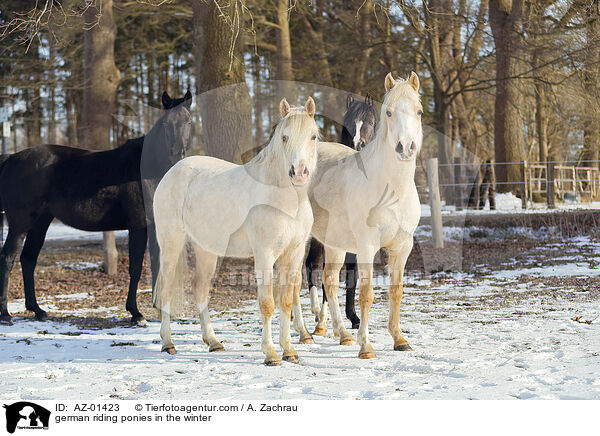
point(93, 191)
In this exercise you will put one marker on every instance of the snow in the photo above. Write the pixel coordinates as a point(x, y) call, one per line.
point(59, 232)
point(483, 336)
point(510, 203)
point(475, 335)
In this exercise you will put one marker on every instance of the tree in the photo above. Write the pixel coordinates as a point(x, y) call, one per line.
point(505, 20)
point(224, 98)
point(101, 80)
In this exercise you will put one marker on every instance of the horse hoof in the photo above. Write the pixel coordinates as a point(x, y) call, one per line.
point(292, 358)
point(307, 340)
point(41, 315)
point(320, 331)
point(366, 355)
point(138, 320)
point(402, 347)
point(216, 347)
point(347, 340)
point(170, 350)
point(6, 319)
point(356, 326)
point(272, 361)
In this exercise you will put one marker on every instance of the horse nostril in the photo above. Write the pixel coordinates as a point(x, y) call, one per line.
point(292, 171)
point(413, 147)
point(305, 172)
point(400, 147)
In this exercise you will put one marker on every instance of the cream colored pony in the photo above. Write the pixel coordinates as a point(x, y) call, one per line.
point(366, 200)
point(260, 209)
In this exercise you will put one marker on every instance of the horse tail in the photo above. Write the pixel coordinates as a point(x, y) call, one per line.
point(168, 294)
point(3, 159)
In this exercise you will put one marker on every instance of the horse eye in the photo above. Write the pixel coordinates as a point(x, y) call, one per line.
point(419, 112)
point(314, 137)
point(284, 138)
point(388, 113)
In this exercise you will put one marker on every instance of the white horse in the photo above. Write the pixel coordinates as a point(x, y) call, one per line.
point(366, 200)
point(260, 209)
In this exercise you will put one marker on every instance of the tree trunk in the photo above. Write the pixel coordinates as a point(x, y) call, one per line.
point(52, 97)
point(220, 76)
point(365, 46)
point(284, 52)
point(101, 78)
point(591, 133)
point(541, 120)
point(505, 16)
point(258, 107)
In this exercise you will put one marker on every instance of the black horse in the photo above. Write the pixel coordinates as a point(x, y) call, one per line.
point(358, 130)
point(93, 191)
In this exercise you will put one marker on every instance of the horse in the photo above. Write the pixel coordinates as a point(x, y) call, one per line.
point(379, 209)
point(92, 191)
point(358, 129)
point(260, 209)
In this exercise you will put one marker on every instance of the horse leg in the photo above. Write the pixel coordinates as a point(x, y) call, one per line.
point(314, 260)
point(351, 279)
point(206, 264)
point(291, 279)
point(331, 278)
point(13, 242)
point(263, 264)
point(299, 326)
point(171, 250)
point(29, 256)
point(137, 247)
point(321, 318)
point(365, 299)
point(154, 252)
point(398, 258)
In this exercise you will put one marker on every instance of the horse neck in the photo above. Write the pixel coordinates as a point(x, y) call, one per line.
point(267, 167)
point(381, 162)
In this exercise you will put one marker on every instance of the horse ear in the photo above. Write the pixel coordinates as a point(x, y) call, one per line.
point(369, 99)
point(414, 81)
point(187, 99)
point(166, 100)
point(284, 108)
point(389, 82)
point(349, 101)
point(310, 107)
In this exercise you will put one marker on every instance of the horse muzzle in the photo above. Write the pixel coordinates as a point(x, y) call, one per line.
point(406, 152)
point(299, 175)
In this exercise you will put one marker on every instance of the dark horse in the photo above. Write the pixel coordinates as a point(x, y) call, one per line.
point(358, 130)
point(93, 191)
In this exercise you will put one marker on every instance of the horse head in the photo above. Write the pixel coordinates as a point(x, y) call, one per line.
point(359, 122)
point(401, 116)
point(169, 139)
point(297, 135)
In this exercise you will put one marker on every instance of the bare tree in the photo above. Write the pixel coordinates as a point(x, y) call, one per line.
point(220, 75)
point(505, 21)
point(101, 80)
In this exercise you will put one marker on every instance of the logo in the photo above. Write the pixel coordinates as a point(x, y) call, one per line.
point(25, 415)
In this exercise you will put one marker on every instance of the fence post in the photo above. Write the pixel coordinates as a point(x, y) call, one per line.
point(524, 190)
point(492, 193)
point(457, 188)
point(550, 185)
point(435, 203)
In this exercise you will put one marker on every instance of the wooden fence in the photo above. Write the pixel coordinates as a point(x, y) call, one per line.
point(580, 182)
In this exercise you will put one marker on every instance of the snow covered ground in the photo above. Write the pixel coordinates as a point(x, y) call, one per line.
point(510, 203)
point(501, 334)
